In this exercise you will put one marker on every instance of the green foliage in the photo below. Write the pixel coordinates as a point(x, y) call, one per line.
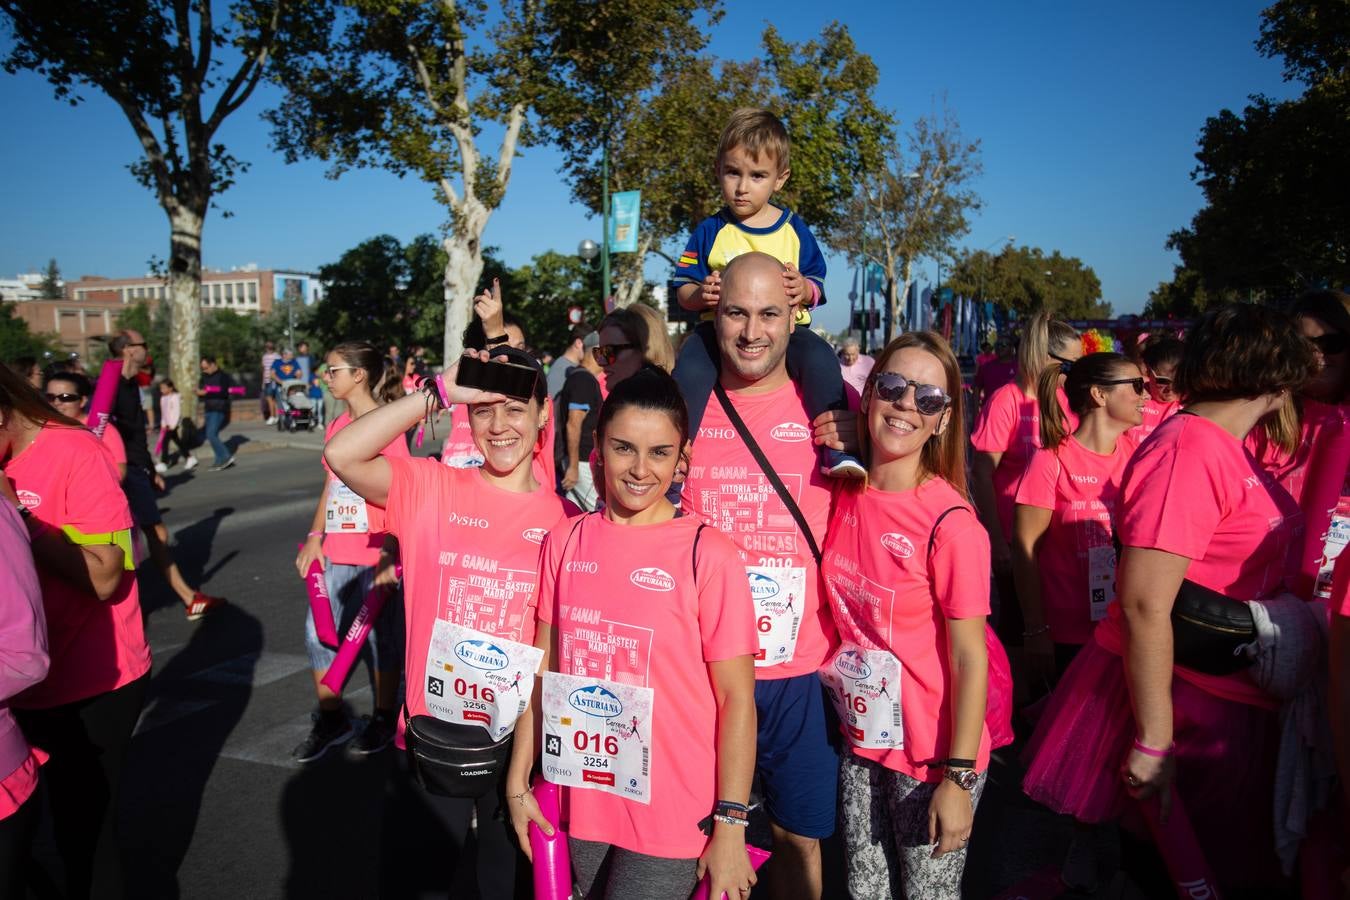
point(17, 341)
point(540, 292)
point(1276, 218)
point(1026, 279)
point(1184, 296)
point(51, 282)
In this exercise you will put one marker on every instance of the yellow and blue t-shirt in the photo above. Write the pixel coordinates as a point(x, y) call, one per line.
point(720, 238)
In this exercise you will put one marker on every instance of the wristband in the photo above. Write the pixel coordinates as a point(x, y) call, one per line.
point(731, 813)
point(960, 763)
point(815, 293)
point(1150, 751)
point(499, 339)
point(314, 534)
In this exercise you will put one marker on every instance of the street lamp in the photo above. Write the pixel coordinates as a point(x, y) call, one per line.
point(588, 250)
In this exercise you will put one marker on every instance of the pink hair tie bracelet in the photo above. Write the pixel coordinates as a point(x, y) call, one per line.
point(1150, 751)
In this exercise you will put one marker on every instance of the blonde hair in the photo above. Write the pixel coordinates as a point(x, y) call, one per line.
point(642, 325)
point(943, 455)
point(1041, 336)
point(760, 133)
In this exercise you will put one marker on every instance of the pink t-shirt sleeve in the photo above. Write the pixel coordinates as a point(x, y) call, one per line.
point(1170, 502)
point(1037, 487)
point(550, 559)
point(116, 446)
point(95, 504)
point(997, 426)
point(960, 566)
point(726, 615)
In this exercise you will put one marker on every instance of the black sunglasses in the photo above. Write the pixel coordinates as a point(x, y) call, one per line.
point(1136, 383)
point(64, 398)
point(1331, 344)
point(1163, 382)
point(929, 399)
point(605, 354)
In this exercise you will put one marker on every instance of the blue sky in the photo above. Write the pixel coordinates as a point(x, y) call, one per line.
point(1087, 115)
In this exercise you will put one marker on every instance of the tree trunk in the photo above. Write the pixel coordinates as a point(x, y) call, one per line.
point(185, 302)
point(631, 288)
point(906, 279)
point(463, 268)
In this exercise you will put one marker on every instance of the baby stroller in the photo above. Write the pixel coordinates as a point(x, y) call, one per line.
point(296, 409)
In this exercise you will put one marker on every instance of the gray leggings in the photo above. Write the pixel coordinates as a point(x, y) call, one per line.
point(606, 872)
point(884, 814)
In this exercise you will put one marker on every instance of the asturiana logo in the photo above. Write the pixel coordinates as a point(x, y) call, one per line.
point(762, 587)
point(851, 663)
point(595, 701)
point(653, 579)
point(898, 544)
point(534, 535)
point(29, 499)
point(482, 655)
point(792, 432)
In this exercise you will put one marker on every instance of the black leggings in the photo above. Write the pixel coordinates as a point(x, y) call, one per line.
point(16, 838)
point(425, 827)
point(88, 742)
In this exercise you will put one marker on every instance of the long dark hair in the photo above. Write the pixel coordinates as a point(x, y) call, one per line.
point(18, 396)
point(1080, 377)
point(650, 387)
point(384, 384)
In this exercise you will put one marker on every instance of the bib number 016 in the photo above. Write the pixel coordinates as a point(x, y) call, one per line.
point(590, 741)
point(474, 692)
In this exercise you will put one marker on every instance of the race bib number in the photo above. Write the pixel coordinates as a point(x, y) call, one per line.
point(1338, 535)
point(346, 513)
point(597, 735)
point(779, 595)
point(865, 688)
point(1101, 580)
point(478, 679)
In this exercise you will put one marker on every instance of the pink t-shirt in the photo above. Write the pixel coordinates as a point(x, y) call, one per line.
point(356, 549)
point(1010, 424)
point(67, 480)
point(112, 439)
point(1315, 475)
point(726, 489)
point(1155, 414)
point(470, 554)
point(888, 593)
point(1192, 489)
point(1080, 487)
point(460, 452)
point(609, 624)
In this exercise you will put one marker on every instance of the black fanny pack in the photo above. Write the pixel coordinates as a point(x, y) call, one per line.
point(452, 760)
point(1209, 631)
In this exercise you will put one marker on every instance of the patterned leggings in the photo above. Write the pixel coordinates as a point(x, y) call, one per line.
point(885, 819)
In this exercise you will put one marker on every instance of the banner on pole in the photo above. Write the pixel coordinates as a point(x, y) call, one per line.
point(625, 209)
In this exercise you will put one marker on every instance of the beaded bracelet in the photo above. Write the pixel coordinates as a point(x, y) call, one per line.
point(1150, 751)
point(315, 534)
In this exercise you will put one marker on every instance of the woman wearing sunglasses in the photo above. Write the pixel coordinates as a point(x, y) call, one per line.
point(1160, 358)
point(1006, 434)
point(1063, 558)
point(69, 393)
point(630, 337)
point(1139, 725)
point(906, 567)
point(348, 539)
point(1307, 446)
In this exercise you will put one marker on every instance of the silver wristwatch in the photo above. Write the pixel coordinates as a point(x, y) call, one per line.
point(966, 779)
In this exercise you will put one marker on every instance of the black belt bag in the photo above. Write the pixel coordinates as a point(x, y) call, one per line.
point(1209, 631)
point(452, 760)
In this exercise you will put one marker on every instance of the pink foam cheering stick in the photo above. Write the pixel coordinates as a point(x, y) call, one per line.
point(159, 444)
point(320, 605)
point(758, 858)
point(552, 861)
point(355, 638)
point(105, 394)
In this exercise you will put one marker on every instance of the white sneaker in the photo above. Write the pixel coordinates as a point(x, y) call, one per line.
point(191, 463)
point(271, 421)
point(161, 468)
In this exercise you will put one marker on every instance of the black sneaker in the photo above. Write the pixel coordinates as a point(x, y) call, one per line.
point(378, 734)
point(328, 731)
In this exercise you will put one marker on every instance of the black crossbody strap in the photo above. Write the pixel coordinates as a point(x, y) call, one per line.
point(932, 535)
point(693, 556)
point(781, 489)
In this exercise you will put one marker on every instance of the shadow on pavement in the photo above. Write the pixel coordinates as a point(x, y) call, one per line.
point(195, 702)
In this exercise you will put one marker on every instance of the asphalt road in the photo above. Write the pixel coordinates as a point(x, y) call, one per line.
point(213, 807)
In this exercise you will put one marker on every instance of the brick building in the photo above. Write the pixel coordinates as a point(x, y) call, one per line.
point(92, 305)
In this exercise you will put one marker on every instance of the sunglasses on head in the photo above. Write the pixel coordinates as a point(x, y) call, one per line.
point(1330, 344)
point(605, 354)
point(64, 398)
point(1136, 383)
point(929, 399)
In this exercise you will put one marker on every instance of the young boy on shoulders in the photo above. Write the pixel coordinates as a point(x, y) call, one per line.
point(752, 165)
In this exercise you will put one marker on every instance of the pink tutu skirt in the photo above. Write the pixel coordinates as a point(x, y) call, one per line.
point(1225, 763)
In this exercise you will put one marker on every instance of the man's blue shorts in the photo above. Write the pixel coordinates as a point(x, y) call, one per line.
point(798, 756)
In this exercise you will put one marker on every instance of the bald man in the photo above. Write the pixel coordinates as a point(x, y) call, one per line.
point(796, 756)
